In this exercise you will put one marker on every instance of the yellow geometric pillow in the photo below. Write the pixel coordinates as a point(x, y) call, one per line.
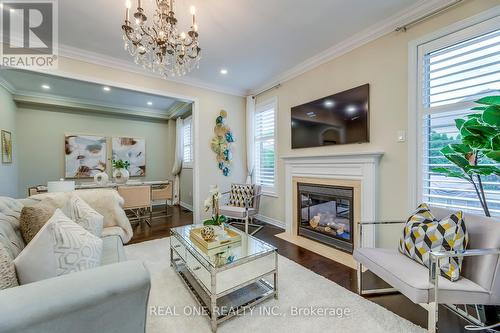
point(423, 234)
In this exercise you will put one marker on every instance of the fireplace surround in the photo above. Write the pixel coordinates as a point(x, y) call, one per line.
point(356, 170)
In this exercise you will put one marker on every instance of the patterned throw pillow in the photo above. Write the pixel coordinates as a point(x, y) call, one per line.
point(239, 193)
point(59, 248)
point(423, 233)
point(34, 217)
point(8, 278)
point(80, 212)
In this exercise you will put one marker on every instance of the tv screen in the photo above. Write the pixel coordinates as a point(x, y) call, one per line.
point(334, 120)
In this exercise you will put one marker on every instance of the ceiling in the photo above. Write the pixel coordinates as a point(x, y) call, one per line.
point(255, 40)
point(25, 84)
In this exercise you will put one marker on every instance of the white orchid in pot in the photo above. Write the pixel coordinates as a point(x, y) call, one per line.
point(212, 203)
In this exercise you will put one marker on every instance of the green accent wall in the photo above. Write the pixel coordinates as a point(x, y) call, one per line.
point(41, 134)
point(9, 172)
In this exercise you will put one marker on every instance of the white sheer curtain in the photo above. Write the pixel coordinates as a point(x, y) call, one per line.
point(179, 155)
point(250, 114)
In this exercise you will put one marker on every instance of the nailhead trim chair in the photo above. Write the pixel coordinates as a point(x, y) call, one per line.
point(480, 278)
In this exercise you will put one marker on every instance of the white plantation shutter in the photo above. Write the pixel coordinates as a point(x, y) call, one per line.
point(265, 145)
point(188, 142)
point(454, 71)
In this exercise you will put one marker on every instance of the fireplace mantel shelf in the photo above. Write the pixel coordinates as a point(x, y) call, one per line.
point(377, 154)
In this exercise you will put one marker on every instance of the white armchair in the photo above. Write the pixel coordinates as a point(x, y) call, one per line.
point(242, 203)
point(480, 281)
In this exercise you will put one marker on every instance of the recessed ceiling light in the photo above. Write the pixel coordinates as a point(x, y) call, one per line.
point(45, 86)
point(150, 103)
point(106, 88)
point(329, 103)
point(351, 109)
point(223, 71)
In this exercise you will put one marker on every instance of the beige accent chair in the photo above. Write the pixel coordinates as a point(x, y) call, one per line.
point(246, 213)
point(480, 278)
point(162, 192)
point(137, 200)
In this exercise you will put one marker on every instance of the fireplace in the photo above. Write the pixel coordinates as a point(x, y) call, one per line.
point(325, 214)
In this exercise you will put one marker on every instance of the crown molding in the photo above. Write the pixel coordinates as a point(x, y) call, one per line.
point(27, 98)
point(7, 85)
point(123, 65)
point(380, 29)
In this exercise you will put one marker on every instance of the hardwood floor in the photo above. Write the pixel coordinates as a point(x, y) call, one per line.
point(338, 273)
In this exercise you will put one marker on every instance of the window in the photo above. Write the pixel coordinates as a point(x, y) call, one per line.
point(188, 142)
point(453, 72)
point(265, 145)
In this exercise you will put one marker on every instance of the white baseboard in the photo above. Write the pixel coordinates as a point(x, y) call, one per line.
point(270, 220)
point(186, 206)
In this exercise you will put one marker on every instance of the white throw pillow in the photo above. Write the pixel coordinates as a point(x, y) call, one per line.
point(80, 212)
point(59, 248)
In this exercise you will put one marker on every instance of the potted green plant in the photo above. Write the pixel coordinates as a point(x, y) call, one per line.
point(212, 202)
point(479, 150)
point(120, 171)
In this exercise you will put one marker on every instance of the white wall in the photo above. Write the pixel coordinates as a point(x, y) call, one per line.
point(383, 64)
point(9, 172)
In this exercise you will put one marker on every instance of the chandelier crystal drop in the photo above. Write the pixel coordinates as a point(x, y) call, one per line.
point(156, 44)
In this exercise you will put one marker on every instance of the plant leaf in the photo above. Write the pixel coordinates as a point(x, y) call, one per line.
point(453, 174)
point(491, 115)
point(484, 170)
point(493, 154)
point(489, 100)
point(478, 108)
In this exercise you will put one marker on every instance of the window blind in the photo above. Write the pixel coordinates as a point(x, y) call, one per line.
point(265, 132)
point(453, 77)
point(188, 141)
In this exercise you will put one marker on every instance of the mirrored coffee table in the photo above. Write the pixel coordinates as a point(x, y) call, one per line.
point(228, 279)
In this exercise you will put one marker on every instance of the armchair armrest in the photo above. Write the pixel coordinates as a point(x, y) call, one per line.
point(436, 256)
point(111, 298)
point(374, 223)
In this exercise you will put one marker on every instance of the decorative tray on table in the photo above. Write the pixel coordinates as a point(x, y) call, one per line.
point(232, 237)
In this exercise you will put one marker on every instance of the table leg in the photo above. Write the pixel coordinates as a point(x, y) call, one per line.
point(213, 303)
point(276, 277)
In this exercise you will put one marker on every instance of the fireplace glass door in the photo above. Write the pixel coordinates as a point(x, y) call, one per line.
point(326, 214)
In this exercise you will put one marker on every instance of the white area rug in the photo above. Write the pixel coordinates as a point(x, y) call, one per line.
point(298, 288)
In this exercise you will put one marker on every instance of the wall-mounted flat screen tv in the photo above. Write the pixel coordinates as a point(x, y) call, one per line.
point(334, 120)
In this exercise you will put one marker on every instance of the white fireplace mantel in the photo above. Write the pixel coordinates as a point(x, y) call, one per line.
point(360, 166)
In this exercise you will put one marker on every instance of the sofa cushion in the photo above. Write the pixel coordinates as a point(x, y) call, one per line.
point(423, 234)
point(33, 218)
point(236, 212)
point(60, 247)
point(8, 278)
point(80, 212)
point(10, 235)
point(106, 202)
point(112, 250)
point(412, 279)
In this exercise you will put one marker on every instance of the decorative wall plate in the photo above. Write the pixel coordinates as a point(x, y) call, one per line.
point(221, 143)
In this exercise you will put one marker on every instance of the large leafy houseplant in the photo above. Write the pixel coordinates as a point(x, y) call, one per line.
point(478, 152)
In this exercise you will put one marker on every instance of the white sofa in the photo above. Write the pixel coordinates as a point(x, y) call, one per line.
point(109, 298)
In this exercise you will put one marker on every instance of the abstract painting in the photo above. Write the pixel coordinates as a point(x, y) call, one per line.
point(132, 150)
point(6, 147)
point(85, 155)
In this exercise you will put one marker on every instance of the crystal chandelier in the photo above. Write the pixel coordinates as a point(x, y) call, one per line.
point(156, 44)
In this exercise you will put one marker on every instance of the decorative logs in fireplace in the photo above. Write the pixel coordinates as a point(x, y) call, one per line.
point(331, 227)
